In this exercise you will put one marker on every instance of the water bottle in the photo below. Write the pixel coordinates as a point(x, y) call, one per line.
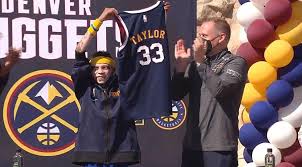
point(269, 158)
point(18, 159)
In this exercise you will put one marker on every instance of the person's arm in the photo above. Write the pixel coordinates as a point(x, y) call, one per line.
point(92, 30)
point(225, 84)
point(181, 79)
point(167, 6)
point(81, 72)
point(10, 60)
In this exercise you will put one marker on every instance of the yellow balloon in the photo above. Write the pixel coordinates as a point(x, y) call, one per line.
point(279, 53)
point(291, 31)
point(261, 74)
point(251, 95)
point(245, 117)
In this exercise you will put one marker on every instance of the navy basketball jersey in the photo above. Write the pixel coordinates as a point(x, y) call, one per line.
point(144, 65)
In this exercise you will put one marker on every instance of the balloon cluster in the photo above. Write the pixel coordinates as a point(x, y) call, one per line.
point(271, 37)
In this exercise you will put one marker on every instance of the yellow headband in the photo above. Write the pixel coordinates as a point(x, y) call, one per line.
point(102, 60)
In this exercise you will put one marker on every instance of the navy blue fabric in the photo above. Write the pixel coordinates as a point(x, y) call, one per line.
point(145, 89)
point(104, 165)
point(192, 158)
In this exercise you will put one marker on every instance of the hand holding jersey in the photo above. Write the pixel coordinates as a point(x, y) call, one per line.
point(107, 13)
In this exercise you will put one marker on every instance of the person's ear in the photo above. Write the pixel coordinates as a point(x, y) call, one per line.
point(222, 37)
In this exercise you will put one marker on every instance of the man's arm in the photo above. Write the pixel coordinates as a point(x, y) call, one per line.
point(180, 79)
point(223, 85)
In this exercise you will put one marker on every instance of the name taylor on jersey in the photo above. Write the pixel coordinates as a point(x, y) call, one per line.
point(148, 34)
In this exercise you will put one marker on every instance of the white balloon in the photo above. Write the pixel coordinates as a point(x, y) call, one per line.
point(260, 4)
point(251, 164)
point(300, 136)
point(260, 150)
point(293, 112)
point(288, 137)
point(247, 13)
point(242, 35)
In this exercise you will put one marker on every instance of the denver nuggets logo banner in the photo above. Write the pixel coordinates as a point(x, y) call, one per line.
point(39, 109)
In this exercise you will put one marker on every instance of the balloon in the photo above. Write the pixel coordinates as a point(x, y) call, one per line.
point(250, 165)
point(263, 115)
point(262, 74)
point(280, 93)
point(250, 136)
point(260, 151)
point(279, 53)
point(245, 116)
point(243, 1)
point(291, 31)
point(298, 51)
point(247, 155)
point(251, 94)
point(293, 112)
point(277, 11)
point(285, 164)
point(295, 76)
point(292, 72)
point(247, 13)
point(293, 154)
point(300, 136)
point(288, 137)
point(242, 35)
point(260, 4)
point(249, 53)
point(261, 33)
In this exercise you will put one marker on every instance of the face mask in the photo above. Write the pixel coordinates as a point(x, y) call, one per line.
point(209, 46)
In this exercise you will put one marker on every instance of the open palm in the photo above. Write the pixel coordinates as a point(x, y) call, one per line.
point(181, 53)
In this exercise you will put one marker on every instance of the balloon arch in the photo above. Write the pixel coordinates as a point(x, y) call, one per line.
point(271, 37)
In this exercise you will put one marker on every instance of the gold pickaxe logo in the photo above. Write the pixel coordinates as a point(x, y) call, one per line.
point(49, 94)
point(22, 97)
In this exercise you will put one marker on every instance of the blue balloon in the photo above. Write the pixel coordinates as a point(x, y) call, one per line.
point(263, 114)
point(250, 136)
point(280, 93)
point(243, 1)
point(298, 51)
point(247, 155)
point(287, 69)
point(294, 76)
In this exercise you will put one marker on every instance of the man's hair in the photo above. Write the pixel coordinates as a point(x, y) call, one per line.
point(221, 24)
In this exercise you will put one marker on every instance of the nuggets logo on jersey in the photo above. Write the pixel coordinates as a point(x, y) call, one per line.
point(40, 113)
point(176, 119)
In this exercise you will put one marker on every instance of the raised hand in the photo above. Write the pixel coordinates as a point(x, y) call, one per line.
point(182, 56)
point(167, 6)
point(199, 49)
point(107, 14)
point(12, 57)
